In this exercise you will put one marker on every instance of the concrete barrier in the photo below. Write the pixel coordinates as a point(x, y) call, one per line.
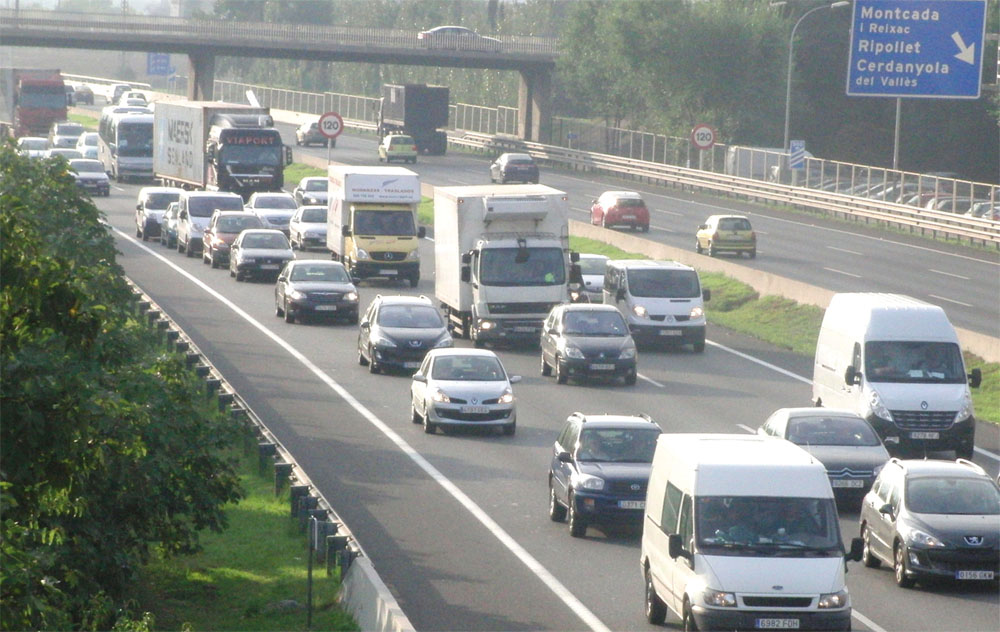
point(363, 594)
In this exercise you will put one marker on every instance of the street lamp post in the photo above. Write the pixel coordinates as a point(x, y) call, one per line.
point(791, 48)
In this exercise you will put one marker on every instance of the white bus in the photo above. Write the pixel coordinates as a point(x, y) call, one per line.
point(125, 147)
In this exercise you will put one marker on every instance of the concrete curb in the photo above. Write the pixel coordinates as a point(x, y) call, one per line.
point(369, 600)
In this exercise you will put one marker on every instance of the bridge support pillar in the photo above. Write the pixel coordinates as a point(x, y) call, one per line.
point(202, 76)
point(534, 105)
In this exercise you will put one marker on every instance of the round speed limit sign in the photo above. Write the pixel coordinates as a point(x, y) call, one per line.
point(331, 125)
point(703, 137)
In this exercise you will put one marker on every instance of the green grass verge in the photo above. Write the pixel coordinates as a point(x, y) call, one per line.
point(296, 171)
point(89, 122)
point(244, 573)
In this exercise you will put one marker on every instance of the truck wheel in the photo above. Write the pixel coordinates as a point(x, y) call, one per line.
point(414, 280)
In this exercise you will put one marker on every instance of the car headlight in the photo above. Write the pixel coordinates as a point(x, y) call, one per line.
point(296, 295)
point(921, 538)
point(486, 324)
point(363, 254)
point(876, 406)
point(413, 255)
point(311, 200)
point(218, 241)
point(719, 599)
point(382, 341)
point(838, 599)
point(444, 341)
point(351, 296)
point(965, 410)
point(440, 396)
point(244, 259)
point(586, 481)
point(639, 311)
point(573, 352)
point(627, 354)
point(507, 397)
point(697, 312)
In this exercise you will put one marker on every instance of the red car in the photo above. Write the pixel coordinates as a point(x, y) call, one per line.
point(222, 231)
point(620, 208)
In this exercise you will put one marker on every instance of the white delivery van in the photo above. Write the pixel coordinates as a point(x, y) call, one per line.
point(896, 361)
point(662, 301)
point(741, 532)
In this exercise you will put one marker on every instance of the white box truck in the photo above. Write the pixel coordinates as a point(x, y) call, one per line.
point(741, 533)
point(501, 259)
point(896, 361)
point(372, 221)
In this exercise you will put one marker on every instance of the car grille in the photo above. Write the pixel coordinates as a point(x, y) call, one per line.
point(457, 415)
point(601, 355)
point(849, 473)
point(777, 602)
point(325, 297)
point(625, 489)
point(387, 256)
point(964, 559)
point(923, 419)
point(266, 260)
point(485, 402)
point(520, 308)
point(662, 317)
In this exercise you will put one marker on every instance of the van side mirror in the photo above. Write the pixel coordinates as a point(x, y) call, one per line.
point(886, 509)
point(138, 206)
point(564, 457)
point(466, 274)
point(417, 377)
point(675, 547)
point(574, 256)
point(975, 378)
point(422, 232)
point(210, 151)
point(706, 294)
point(852, 376)
point(345, 231)
point(857, 547)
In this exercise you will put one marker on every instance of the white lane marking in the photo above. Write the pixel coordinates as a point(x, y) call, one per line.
point(957, 276)
point(950, 300)
point(746, 428)
point(498, 532)
point(674, 213)
point(850, 252)
point(767, 365)
point(865, 620)
point(856, 276)
point(650, 380)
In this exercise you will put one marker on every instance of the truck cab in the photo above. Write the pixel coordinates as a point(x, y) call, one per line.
point(245, 154)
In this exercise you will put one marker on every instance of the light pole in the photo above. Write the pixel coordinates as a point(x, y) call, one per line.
point(791, 48)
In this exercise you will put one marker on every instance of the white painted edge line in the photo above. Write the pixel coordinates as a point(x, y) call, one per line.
point(563, 593)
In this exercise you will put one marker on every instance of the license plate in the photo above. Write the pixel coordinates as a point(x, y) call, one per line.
point(388, 272)
point(632, 504)
point(858, 484)
point(268, 266)
point(973, 574)
point(326, 308)
point(777, 624)
point(411, 365)
point(628, 216)
point(924, 435)
point(670, 332)
point(475, 409)
point(602, 367)
point(523, 330)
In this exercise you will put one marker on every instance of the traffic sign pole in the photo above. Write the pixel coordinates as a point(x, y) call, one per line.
point(330, 125)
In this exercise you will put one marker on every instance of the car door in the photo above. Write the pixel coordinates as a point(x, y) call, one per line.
point(562, 472)
point(683, 572)
point(280, 286)
point(365, 329)
point(418, 389)
point(883, 525)
point(548, 340)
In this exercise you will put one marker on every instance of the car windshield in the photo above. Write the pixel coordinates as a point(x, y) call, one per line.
point(160, 201)
point(942, 495)
point(468, 368)
point(86, 166)
point(653, 283)
point(630, 202)
point(315, 185)
point(320, 272)
point(734, 223)
point(595, 267)
point(400, 140)
point(618, 445)
point(314, 216)
point(33, 143)
point(521, 161)
point(231, 154)
point(825, 430)
point(205, 206)
point(90, 139)
point(237, 224)
point(522, 266)
point(410, 316)
point(384, 223)
point(275, 201)
point(135, 139)
point(266, 241)
point(918, 362)
point(767, 526)
point(594, 323)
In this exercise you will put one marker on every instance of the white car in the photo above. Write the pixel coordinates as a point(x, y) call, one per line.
point(259, 252)
point(307, 228)
point(64, 134)
point(275, 209)
point(462, 387)
point(592, 268)
point(312, 190)
point(196, 208)
point(33, 146)
point(87, 144)
point(150, 206)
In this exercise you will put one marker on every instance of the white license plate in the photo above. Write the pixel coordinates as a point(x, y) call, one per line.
point(602, 367)
point(388, 272)
point(924, 435)
point(628, 216)
point(326, 308)
point(856, 484)
point(523, 330)
point(268, 266)
point(973, 574)
point(777, 624)
point(632, 504)
point(475, 409)
point(671, 332)
point(411, 365)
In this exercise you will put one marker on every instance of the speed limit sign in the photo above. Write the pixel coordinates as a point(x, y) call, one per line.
point(331, 125)
point(703, 136)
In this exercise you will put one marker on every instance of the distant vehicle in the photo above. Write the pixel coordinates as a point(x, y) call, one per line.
point(458, 38)
point(223, 229)
point(69, 91)
point(65, 152)
point(33, 146)
point(275, 209)
point(308, 134)
point(514, 168)
point(168, 225)
point(196, 209)
point(417, 110)
point(950, 204)
point(150, 207)
point(397, 331)
point(310, 287)
point(620, 208)
point(136, 96)
point(583, 341)
point(90, 176)
point(259, 252)
point(83, 94)
point(114, 91)
point(311, 190)
point(307, 228)
point(31, 100)
point(86, 139)
point(64, 134)
point(399, 147)
point(126, 145)
point(463, 388)
point(726, 233)
point(985, 210)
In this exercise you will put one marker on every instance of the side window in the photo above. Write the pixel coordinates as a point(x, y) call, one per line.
point(671, 509)
point(567, 438)
point(894, 496)
point(686, 526)
point(425, 366)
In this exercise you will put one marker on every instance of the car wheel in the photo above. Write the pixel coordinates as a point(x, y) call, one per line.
point(414, 280)
point(711, 249)
point(232, 272)
point(697, 246)
point(373, 366)
point(429, 428)
point(867, 557)
point(204, 256)
point(352, 319)
point(687, 621)
point(214, 261)
point(630, 378)
point(362, 361)
point(699, 347)
point(557, 513)
point(656, 610)
point(545, 368)
point(510, 429)
point(560, 371)
point(180, 246)
point(577, 525)
point(604, 221)
point(644, 228)
point(240, 276)
point(277, 308)
point(289, 316)
point(414, 415)
point(298, 142)
point(138, 232)
point(753, 253)
point(903, 579)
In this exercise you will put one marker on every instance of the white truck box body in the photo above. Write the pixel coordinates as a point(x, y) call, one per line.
point(350, 184)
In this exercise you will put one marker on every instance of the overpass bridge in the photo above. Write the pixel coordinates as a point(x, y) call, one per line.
point(202, 40)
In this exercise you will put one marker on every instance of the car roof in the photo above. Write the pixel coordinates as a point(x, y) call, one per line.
point(311, 178)
point(264, 231)
point(592, 255)
point(813, 411)
point(589, 307)
point(147, 190)
point(934, 467)
point(399, 299)
point(267, 194)
point(607, 420)
point(228, 213)
point(323, 262)
point(195, 194)
point(622, 194)
point(727, 216)
point(463, 351)
point(512, 156)
point(648, 264)
point(77, 161)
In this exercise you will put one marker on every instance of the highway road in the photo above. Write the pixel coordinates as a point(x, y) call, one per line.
point(457, 525)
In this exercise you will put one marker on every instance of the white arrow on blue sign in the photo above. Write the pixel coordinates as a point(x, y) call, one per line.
point(917, 48)
point(797, 154)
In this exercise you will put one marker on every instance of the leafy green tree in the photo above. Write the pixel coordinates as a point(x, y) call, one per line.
point(108, 446)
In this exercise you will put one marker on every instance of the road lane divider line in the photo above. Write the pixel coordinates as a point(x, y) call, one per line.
point(542, 573)
point(650, 380)
point(836, 271)
point(850, 252)
point(950, 300)
point(957, 276)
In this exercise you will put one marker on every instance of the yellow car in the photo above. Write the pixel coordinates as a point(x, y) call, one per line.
point(726, 233)
point(397, 147)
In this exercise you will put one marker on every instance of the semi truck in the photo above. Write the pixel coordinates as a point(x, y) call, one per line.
point(31, 100)
point(216, 146)
point(416, 109)
point(501, 259)
point(372, 221)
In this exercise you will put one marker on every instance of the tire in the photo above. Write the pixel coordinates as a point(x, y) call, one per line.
point(240, 276)
point(899, 567)
point(753, 253)
point(214, 262)
point(867, 557)
point(699, 346)
point(557, 513)
point(630, 378)
point(373, 366)
point(414, 280)
point(545, 369)
point(414, 415)
point(204, 256)
point(687, 620)
point(697, 246)
point(352, 319)
point(138, 232)
point(577, 525)
point(510, 429)
point(189, 251)
point(180, 247)
point(560, 372)
point(711, 249)
point(656, 610)
point(289, 316)
point(429, 428)
point(644, 228)
point(965, 453)
point(604, 221)
point(362, 361)
point(231, 273)
point(277, 309)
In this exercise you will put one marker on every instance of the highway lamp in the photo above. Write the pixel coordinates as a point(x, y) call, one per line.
point(791, 48)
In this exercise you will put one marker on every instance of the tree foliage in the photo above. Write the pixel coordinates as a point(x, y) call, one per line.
point(107, 446)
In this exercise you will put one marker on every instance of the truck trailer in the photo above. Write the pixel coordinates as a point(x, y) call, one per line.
point(501, 259)
point(372, 221)
point(31, 100)
point(218, 147)
point(416, 109)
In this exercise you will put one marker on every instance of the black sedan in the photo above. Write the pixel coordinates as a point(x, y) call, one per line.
point(514, 168)
point(396, 332)
point(315, 288)
point(587, 340)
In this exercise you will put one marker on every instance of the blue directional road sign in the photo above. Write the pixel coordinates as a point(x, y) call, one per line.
point(797, 154)
point(158, 64)
point(917, 48)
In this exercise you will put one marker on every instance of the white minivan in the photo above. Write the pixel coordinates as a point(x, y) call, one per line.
point(662, 301)
point(896, 361)
point(741, 532)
